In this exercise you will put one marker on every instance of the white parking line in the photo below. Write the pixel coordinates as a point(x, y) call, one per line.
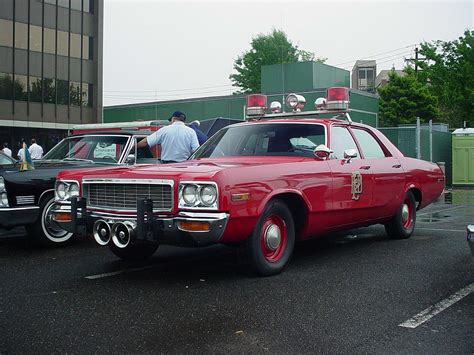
point(431, 311)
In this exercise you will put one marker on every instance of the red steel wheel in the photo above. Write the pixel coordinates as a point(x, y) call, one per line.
point(402, 224)
point(273, 238)
point(270, 247)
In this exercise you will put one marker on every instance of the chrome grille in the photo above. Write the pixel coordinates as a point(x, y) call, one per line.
point(25, 200)
point(123, 195)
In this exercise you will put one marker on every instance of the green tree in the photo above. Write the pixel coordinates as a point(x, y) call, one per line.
point(404, 99)
point(448, 71)
point(266, 49)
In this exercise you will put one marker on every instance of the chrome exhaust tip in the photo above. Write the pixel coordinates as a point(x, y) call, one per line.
point(101, 232)
point(122, 233)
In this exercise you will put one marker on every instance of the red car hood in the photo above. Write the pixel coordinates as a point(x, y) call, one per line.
point(203, 168)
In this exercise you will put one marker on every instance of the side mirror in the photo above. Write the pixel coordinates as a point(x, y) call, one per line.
point(130, 159)
point(349, 154)
point(322, 152)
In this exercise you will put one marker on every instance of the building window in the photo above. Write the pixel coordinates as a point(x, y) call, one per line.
point(21, 35)
point(52, 2)
point(21, 85)
point(6, 82)
point(63, 92)
point(89, 6)
point(63, 3)
point(36, 89)
point(87, 95)
point(35, 38)
point(76, 4)
point(75, 45)
point(49, 90)
point(87, 47)
point(366, 79)
point(49, 41)
point(75, 93)
point(6, 33)
point(63, 43)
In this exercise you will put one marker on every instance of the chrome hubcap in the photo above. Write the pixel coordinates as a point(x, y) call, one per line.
point(272, 237)
point(405, 213)
point(103, 232)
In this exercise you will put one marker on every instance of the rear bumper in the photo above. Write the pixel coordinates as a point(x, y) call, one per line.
point(155, 229)
point(18, 216)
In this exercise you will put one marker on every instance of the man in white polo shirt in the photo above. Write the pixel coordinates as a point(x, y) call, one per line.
point(36, 152)
point(177, 140)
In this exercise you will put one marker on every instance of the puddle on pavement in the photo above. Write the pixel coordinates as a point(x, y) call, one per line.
point(433, 217)
point(458, 197)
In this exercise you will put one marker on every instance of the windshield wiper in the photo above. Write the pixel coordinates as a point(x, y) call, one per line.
point(78, 159)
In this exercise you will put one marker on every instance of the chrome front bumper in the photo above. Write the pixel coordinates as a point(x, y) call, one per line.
point(163, 229)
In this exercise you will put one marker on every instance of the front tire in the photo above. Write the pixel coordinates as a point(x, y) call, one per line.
point(402, 225)
point(44, 231)
point(134, 252)
point(270, 247)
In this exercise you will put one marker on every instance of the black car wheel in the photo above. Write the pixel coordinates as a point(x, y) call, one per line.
point(134, 252)
point(402, 225)
point(45, 231)
point(270, 247)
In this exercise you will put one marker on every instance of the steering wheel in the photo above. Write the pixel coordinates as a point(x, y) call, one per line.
point(110, 157)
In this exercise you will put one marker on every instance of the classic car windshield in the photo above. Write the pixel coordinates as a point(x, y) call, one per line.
point(281, 139)
point(103, 149)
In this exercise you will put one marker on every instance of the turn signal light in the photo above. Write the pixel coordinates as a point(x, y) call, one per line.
point(61, 216)
point(193, 226)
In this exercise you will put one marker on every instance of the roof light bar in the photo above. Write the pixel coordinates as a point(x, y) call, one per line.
point(256, 104)
point(295, 102)
point(337, 98)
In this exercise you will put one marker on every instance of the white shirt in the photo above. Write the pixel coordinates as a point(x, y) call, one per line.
point(36, 151)
point(7, 151)
point(177, 141)
point(21, 154)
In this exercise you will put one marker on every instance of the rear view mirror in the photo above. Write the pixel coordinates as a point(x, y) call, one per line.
point(130, 159)
point(349, 154)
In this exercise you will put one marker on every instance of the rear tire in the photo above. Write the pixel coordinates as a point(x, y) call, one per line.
point(134, 252)
point(270, 247)
point(44, 231)
point(402, 225)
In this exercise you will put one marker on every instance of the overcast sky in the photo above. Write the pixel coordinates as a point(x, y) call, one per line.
point(180, 49)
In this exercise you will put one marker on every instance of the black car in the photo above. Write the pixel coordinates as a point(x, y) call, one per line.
point(26, 197)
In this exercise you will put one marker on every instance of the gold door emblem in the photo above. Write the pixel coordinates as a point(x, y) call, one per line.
point(356, 185)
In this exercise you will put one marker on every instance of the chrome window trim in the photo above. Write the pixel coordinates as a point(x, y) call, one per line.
point(2, 209)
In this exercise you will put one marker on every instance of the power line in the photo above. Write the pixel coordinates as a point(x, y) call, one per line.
point(395, 55)
point(173, 90)
point(375, 55)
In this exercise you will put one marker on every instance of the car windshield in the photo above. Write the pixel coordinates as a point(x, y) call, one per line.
point(93, 148)
point(264, 139)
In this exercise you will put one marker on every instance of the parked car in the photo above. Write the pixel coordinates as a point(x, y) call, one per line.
point(27, 196)
point(261, 184)
point(7, 162)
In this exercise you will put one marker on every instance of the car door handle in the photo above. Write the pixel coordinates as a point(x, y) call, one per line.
point(397, 166)
point(365, 167)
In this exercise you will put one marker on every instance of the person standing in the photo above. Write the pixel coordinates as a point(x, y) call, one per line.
point(6, 150)
point(36, 151)
point(202, 137)
point(177, 140)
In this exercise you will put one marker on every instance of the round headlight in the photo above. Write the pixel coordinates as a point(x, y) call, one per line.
point(190, 194)
point(4, 199)
point(208, 195)
point(61, 190)
point(2, 185)
point(73, 190)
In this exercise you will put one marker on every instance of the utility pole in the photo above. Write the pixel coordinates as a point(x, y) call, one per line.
point(415, 60)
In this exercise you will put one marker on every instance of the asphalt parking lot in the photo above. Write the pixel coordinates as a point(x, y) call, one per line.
point(357, 292)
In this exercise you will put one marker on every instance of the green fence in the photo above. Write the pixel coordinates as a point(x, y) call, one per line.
point(405, 138)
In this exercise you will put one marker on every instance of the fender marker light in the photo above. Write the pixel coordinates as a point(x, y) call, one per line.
point(193, 226)
point(61, 216)
point(241, 197)
point(256, 104)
